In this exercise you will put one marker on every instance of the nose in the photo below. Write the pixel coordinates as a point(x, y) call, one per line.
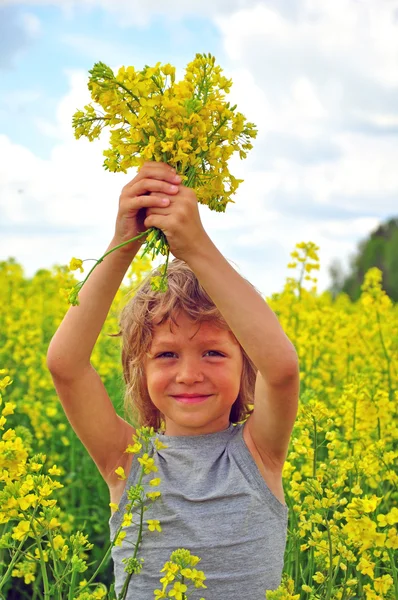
point(189, 371)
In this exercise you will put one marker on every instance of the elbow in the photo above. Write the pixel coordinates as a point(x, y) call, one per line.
point(59, 365)
point(286, 372)
point(54, 364)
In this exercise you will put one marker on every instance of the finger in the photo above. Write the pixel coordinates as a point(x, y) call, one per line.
point(155, 166)
point(149, 202)
point(157, 210)
point(154, 220)
point(154, 163)
point(159, 172)
point(154, 185)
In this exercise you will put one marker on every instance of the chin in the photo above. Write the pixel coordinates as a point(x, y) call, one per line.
point(194, 420)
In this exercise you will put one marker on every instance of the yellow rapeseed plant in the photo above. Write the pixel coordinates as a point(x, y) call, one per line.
point(340, 477)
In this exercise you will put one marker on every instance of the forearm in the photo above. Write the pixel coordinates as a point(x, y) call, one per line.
point(249, 317)
point(71, 347)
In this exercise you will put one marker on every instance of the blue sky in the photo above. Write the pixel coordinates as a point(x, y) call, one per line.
point(320, 80)
point(37, 61)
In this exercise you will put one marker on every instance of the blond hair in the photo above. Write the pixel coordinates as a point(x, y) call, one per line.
point(137, 320)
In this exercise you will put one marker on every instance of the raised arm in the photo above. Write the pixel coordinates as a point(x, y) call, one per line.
point(81, 392)
point(79, 387)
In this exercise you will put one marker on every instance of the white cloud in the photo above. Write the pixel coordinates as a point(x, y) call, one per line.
point(31, 23)
point(139, 14)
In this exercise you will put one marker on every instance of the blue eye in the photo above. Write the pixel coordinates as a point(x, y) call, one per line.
point(164, 353)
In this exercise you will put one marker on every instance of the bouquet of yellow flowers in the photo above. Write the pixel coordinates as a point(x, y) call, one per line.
point(186, 124)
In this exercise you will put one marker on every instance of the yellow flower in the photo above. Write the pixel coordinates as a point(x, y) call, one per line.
point(153, 495)
point(148, 463)
point(76, 263)
point(318, 577)
point(54, 470)
point(178, 590)
point(45, 490)
point(366, 567)
point(58, 542)
point(127, 519)
point(120, 472)
point(159, 445)
point(27, 501)
point(21, 530)
point(8, 409)
point(153, 525)
point(120, 538)
point(169, 70)
point(133, 449)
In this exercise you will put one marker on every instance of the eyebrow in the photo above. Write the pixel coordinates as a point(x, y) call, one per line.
point(212, 342)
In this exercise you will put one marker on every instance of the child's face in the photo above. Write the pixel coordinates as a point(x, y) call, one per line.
point(210, 362)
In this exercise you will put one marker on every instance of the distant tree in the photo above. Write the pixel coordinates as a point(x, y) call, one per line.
point(380, 250)
point(391, 263)
point(337, 275)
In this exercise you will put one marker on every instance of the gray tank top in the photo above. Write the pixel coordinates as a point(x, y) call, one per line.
point(216, 504)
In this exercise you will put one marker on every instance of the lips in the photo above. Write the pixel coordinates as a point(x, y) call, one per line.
point(191, 398)
point(190, 395)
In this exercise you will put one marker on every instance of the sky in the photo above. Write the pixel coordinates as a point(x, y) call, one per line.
point(319, 80)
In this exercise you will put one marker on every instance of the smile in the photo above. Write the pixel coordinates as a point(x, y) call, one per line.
point(191, 399)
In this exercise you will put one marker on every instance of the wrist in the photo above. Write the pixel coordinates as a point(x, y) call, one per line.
point(203, 251)
point(121, 257)
point(129, 249)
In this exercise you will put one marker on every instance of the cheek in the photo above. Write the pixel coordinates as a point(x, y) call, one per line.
point(157, 378)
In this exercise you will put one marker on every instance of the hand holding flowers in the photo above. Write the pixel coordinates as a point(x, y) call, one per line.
point(186, 125)
point(180, 223)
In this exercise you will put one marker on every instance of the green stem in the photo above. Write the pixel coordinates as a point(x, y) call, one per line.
point(390, 389)
point(42, 565)
point(157, 83)
point(344, 585)
point(164, 276)
point(336, 571)
point(126, 584)
point(213, 133)
point(88, 119)
point(301, 279)
point(55, 564)
point(12, 563)
point(297, 563)
point(159, 131)
point(311, 561)
point(72, 458)
point(80, 284)
point(330, 580)
point(160, 134)
point(72, 586)
point(101, 563)
point(394, 570)
point(315, 448)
